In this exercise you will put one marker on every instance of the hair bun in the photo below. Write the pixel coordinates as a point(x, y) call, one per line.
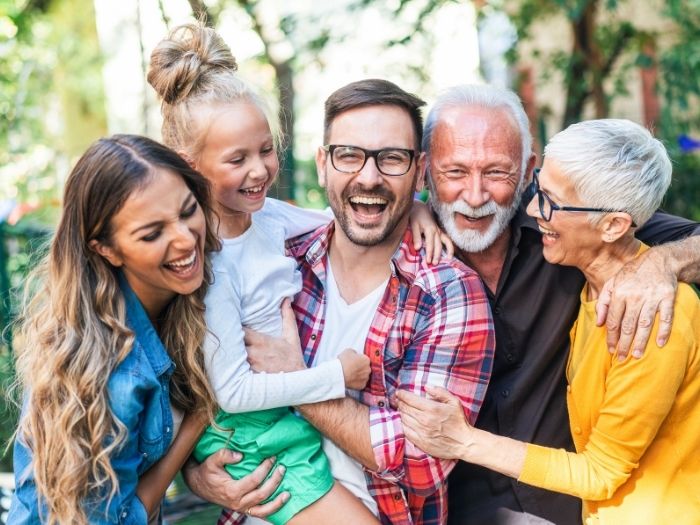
point(183, 61)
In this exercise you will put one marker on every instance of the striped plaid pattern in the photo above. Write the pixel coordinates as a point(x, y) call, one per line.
point(433, 326)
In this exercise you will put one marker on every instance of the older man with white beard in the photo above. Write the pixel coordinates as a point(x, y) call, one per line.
point(479, 157)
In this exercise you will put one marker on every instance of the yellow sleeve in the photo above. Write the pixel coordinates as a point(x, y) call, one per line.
point(639, 395)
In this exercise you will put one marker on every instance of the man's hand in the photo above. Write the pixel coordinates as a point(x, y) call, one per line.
point(629, 301)
point(436, 425)
point(211, 482)
point(274, 354)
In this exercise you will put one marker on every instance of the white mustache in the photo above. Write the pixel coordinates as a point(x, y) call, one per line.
point(459, 206)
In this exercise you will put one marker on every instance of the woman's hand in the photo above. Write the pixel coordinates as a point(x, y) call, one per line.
point(211, 482)
point(423, 225)
point(435, 424)
point(276, 354)
point(356, 369)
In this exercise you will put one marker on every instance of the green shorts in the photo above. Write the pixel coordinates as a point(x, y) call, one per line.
point(275, 432)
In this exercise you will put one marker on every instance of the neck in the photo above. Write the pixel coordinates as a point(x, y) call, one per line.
point(358, 270)
point(232, 223)
point(488, 263)
point(607, 262)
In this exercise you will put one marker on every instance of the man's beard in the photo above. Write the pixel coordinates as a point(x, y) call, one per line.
point(474, 241)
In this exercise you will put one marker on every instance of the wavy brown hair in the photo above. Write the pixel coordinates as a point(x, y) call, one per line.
point(73, 332)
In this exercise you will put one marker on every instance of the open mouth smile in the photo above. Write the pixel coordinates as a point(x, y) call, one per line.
point(253, 191)
point(185, 265)
point(368, 205)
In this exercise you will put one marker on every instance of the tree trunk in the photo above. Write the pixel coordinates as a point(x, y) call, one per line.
point(285, 87)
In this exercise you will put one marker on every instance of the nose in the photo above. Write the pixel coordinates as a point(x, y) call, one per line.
point(258, 169)
point(475, 192)
point(533, 209)
point(369, 175)
point(185, 237)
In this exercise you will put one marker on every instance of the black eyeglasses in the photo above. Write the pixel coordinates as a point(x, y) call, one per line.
point(392, 162)
point(548, 206)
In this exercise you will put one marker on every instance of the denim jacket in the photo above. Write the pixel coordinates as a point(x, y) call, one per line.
point(139, 397)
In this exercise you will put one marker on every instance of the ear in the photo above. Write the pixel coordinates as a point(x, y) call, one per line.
point(529, 167)
point(106, 252)
point(615, 225)
point(321, 159)
point(420, 172)
point(188, 159)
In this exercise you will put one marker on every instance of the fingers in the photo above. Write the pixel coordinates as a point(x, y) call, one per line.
point(416, 233)
point(665, 321)
point(616, 311)
point(437, 247)
point(223, 457)
point(253, 338)
point(290, 331)
point(442, 395)
point(603, 303)
point(628, 327)
point(264, 510)
point(643, 329)
point(449, 245)
point(262, 491)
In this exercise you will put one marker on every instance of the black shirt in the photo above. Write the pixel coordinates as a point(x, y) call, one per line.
point(534, 307)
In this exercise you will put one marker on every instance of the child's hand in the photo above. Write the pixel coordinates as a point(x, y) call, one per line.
point(423, 225)
point(356, 369)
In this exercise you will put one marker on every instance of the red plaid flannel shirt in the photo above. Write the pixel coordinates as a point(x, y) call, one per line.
point(433, 326)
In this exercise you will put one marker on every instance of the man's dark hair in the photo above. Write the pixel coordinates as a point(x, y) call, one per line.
point(373, 92)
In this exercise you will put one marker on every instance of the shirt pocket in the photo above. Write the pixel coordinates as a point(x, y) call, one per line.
point(152, 442)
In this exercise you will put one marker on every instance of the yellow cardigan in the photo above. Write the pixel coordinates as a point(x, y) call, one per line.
point(635, 424)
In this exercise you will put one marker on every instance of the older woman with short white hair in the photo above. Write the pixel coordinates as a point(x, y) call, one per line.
point(635, 422)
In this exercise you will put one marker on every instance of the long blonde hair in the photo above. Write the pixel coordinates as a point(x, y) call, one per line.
point(72, 331)
point(193, 69)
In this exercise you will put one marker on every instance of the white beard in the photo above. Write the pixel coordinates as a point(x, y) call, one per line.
point(473, 241)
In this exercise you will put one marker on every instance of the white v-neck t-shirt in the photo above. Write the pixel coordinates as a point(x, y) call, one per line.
point(346, 326)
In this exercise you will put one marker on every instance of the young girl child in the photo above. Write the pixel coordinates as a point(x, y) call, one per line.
point(216, 121)
point(113, 336)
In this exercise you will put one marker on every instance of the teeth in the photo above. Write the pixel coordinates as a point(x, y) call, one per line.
point(547, 232)
point(184, 262)
point(367, 200)
point(255, 189)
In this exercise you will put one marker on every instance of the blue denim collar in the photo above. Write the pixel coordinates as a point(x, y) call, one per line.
point(145, 333)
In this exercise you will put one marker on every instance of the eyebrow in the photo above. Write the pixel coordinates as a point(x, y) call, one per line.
point(153, 224)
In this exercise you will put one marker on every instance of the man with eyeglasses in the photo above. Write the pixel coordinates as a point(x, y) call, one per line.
point(478, 154)
point(366, 287)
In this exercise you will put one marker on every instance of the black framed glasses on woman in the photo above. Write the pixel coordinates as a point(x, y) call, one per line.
point(392, 162)
point(548, 206)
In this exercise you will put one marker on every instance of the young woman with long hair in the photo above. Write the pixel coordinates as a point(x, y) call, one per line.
point(110, 340)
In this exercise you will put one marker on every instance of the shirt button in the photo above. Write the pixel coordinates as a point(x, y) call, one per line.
point(381, 404)
point(377, 353)
point(505, 392)
point(145, 455)
point(497, 310)
point(167, 430)
point(397, 497)
point(313, 337)
point(577, 430)
point(510, 357)
point(124, 514)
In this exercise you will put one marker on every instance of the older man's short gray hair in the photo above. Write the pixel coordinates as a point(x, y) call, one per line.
point(614, 164)
point(483, 96)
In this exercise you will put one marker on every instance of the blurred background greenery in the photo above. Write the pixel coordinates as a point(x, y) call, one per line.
point(73, 70)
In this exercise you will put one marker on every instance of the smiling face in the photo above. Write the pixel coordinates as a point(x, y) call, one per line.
point(568, 238)
point(369, 207)
point(158, 241)
point(476, 174)
point(238, 156)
